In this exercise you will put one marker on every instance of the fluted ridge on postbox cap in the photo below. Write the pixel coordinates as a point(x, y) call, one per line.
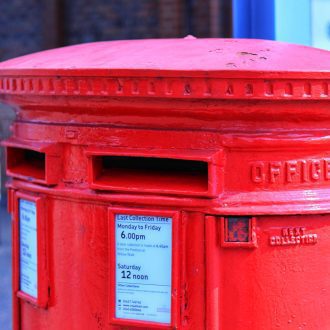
point(199, 68)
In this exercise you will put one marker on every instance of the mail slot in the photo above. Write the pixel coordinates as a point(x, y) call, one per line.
point(162, 172)
point(170, 184)
point(33, 162)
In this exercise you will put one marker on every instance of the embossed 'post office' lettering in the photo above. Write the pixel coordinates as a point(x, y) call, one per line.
point(293, 171)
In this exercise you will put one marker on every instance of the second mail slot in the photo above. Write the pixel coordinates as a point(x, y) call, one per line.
point(163, 172)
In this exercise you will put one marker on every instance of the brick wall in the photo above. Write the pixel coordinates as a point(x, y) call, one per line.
point(171, 19)
point(87, 20)
point(31, 25)
point(21, 23)
point(200, 18)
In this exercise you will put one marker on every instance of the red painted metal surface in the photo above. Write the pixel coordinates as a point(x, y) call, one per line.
point(208, 130)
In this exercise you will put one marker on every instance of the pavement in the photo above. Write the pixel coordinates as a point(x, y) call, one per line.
point(5, 270)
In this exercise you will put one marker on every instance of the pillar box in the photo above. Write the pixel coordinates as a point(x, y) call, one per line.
point(170, 184)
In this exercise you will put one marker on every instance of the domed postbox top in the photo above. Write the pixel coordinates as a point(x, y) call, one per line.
point(191, 67)
point(170, 55)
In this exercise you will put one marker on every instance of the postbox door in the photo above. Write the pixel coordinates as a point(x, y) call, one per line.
point(267, 272)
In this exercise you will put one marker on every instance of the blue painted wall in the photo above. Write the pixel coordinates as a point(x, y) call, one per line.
point(253, 19)
point(293, 21)
point(284, 20)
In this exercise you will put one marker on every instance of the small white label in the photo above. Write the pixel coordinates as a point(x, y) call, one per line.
point(143, 267)
point(28, 248)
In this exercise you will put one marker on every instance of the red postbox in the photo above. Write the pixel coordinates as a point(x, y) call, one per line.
point(170, 184)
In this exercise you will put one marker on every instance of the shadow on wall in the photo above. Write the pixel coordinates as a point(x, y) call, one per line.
point(7, 115)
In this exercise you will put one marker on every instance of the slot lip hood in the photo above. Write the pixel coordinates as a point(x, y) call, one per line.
point(50, 172)
point(141, 182)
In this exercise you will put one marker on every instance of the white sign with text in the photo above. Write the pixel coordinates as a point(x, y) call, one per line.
point(143, 267)
point(28, 248)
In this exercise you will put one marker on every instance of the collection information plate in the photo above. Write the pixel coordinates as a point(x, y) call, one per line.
point(28, 247)
point(143, 267)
